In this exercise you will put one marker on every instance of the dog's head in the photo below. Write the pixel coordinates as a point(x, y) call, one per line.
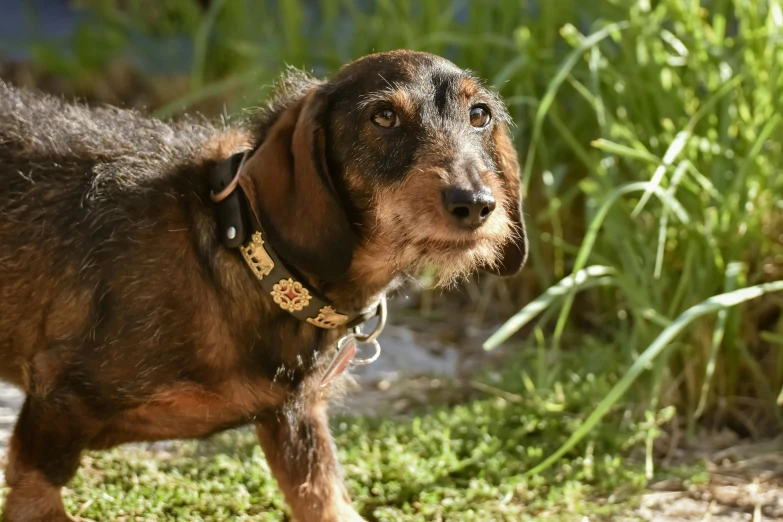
point(401, 160)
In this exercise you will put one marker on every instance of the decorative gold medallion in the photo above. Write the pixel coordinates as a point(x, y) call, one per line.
point(256, 257)
point(328, 318)
point(290, 295)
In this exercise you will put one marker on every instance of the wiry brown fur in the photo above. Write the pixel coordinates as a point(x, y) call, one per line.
point(124, 318)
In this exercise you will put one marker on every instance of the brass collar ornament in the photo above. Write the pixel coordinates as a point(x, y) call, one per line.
point(239, 228)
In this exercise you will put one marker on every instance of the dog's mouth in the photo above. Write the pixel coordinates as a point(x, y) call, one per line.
point(454, 245)
point(444, 235)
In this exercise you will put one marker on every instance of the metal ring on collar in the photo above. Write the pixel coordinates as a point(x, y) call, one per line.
point(372, 358)
point(373, 336)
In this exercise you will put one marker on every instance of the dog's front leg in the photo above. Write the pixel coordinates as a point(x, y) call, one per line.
point(300, 451)
point(43, 455)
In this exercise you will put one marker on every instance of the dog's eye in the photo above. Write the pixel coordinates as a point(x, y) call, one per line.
point(479, 116)
point(386, 118)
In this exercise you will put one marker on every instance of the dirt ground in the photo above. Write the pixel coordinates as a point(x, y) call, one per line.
point(745, 484)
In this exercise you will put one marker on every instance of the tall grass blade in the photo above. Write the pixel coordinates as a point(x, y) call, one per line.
point(681, 139)
point(625, 151)
point(528, 313)
point(663, 225)
point(206, 92)
point(733, 272)
point(711, 305)
point(672, 152)
point(201, 43)
point(549, 97)
point(592, 235)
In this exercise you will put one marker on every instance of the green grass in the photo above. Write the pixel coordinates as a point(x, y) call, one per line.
point(690, 115)
point(463, 463)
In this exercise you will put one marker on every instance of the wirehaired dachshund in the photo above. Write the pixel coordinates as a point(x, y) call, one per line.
point(167, 280)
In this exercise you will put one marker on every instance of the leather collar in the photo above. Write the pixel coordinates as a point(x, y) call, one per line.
point(239, 228)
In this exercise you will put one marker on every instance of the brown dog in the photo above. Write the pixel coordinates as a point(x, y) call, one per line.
point(126, 313)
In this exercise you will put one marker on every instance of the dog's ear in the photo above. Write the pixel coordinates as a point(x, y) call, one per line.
point(514, 250)
point(289, 187)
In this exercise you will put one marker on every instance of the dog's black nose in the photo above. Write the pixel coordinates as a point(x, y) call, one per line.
point(470, 208)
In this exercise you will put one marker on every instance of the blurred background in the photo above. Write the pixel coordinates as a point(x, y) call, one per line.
point(647, 325)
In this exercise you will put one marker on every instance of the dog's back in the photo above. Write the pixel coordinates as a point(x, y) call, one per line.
point(45, 127)
point(75, 182)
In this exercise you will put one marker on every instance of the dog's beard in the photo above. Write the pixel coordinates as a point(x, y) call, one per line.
point(453, 263)
point(453, 256)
